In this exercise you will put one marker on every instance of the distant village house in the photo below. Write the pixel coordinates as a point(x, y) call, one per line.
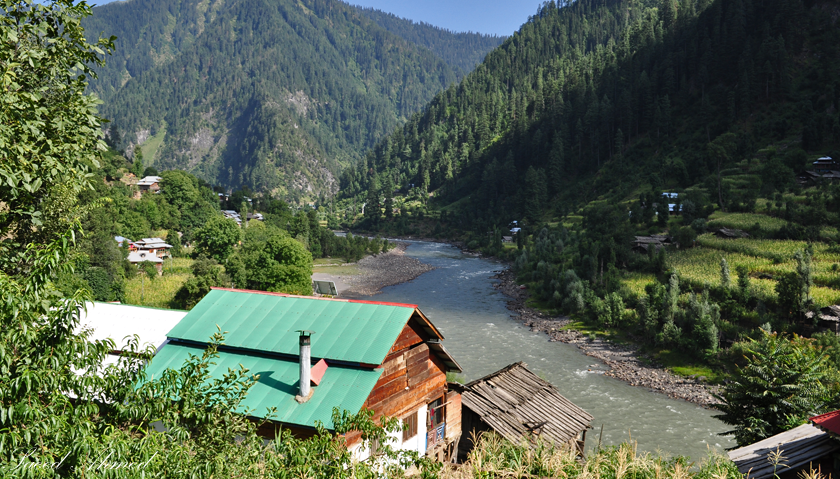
point(149, 183)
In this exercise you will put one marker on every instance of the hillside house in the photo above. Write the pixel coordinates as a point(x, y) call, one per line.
point(122, 241)
point(153, 246)
point(828, 318)
point(233, 215)
point(643, 244)
point(386, 357)
point(825, 165)
point(519, 406)
point(139, 257)
point(149, 183)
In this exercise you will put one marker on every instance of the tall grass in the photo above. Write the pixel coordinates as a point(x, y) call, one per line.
point(495, 457)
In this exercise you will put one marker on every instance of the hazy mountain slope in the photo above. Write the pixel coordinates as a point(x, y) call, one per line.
point(274, 95)
point(461, 50)
point(596, 98)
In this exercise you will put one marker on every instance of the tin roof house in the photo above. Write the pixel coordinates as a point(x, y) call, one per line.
point(315, 354)
point(149, 183)
point(154, 246)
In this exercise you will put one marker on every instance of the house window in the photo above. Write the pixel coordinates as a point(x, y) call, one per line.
point(410, 426)
point(435, 416)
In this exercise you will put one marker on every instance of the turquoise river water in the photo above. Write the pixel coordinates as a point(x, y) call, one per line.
point(459, 298)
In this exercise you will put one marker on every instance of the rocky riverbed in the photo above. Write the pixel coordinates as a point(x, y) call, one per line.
point(385, 269)
point(624, 362)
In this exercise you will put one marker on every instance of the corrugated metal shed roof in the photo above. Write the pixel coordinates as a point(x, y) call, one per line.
point(828, 422)
point(346, 388)
point(352, 331)
point(798, 447)
point(116, 321)
point(518, 404)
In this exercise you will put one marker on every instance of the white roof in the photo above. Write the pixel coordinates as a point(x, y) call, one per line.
point(116, 321)
point(140, 256)
point(149, 180)
point(670, 195)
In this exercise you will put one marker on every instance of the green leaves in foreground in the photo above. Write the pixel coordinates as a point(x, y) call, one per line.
point(784, 382)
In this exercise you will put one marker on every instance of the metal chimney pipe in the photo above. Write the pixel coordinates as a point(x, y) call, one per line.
point(305, 364)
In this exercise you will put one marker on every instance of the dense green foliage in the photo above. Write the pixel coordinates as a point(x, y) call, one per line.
point(463, 51)
point(276, 96)
point(592, 99)
point(782, 384)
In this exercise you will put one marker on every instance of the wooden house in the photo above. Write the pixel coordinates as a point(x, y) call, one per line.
point(519, 406)
point(386, 357)
point(814, 445)
point(825, 164)
point(642, 244)
point(828, 318)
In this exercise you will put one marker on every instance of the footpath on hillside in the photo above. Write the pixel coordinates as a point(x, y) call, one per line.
point(376, 272)
point(625, 362)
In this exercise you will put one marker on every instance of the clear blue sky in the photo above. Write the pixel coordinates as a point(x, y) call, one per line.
point(500, 17)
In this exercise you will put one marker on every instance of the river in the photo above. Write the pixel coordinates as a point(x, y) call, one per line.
point(459, 298)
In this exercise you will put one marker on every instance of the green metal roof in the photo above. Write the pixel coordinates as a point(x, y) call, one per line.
point(353, 331)
point(346, 388)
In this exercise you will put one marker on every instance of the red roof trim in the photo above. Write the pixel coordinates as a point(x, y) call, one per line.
point(829, 422)
point(268, 293)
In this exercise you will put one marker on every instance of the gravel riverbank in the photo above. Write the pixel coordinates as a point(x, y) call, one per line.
point(624, 362)
point(385, 269)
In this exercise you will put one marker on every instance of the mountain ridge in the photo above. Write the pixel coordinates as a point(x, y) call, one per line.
point(273, 96)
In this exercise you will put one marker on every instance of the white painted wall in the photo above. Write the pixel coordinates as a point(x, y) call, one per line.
point(416, 443)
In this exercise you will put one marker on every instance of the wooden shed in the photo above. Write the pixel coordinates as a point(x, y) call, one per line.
point(520, 406)
point(643, 244)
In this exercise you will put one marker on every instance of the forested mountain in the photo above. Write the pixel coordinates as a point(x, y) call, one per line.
point(597, 98)
point(461, 50)
point(275, 96)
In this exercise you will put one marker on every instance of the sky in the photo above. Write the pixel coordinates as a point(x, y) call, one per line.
point(499, 17)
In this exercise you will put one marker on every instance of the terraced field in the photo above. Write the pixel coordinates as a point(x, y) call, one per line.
point(765, 260)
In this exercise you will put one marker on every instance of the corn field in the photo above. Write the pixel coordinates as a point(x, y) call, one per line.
point(158, 292)
point(636, 282)
point(745, 221)
point(771, 249)
point(701, 266)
